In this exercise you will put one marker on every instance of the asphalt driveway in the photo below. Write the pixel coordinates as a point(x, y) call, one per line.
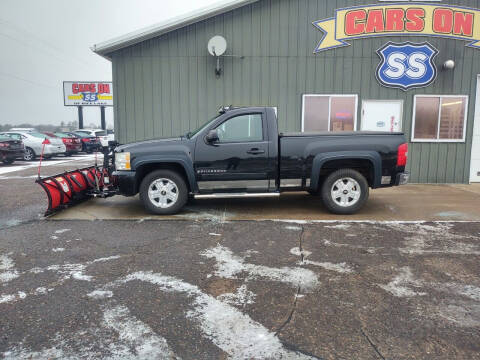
point(242, 290)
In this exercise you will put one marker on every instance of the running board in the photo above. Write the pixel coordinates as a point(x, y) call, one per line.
point(237, 195)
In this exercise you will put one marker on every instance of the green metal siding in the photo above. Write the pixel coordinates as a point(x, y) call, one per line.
point(166, 86)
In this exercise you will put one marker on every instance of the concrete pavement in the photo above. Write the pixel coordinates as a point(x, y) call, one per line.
point(405, 203)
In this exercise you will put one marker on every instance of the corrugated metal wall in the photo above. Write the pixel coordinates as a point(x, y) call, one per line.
point(167, 86)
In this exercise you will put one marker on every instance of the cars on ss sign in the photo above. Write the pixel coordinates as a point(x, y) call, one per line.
point(34, 142)
point(10, 149)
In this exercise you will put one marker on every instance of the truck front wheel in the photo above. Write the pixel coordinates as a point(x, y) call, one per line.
point(163, 192)
point(345, 192)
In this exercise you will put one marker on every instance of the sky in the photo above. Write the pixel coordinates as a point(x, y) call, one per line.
point(44, 43)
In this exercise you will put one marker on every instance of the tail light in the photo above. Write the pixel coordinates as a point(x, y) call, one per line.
point(86, 140)
point(3, 145)
point(46, 142)
point(402, 155)
point(67, 141)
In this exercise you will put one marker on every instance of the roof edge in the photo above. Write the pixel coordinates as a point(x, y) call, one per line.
point(135, 37)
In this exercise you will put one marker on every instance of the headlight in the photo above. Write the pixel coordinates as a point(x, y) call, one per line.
point(122, 161)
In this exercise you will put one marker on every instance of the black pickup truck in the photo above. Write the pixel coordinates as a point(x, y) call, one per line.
point(240, 153)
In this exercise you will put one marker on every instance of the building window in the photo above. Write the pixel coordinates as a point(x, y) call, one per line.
point(329, 113)
point(439, 118)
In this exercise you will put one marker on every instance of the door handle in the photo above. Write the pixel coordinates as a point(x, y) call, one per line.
point(255, 151)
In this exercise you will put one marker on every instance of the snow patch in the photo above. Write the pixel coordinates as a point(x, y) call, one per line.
point(229, 266)
point(293, 228)
point(399, 286)
point(58, 249)
point(135, 335)
point(242, 297)
point(7, 269)
point(297, 252)
point(100, 294)
point(339, 226)
point(342, 268)
point(54, 237)
point(214, 234)
point(61, 231)
point(228, 328)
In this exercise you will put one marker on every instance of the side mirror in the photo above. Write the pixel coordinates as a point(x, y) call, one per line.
point(212, 136)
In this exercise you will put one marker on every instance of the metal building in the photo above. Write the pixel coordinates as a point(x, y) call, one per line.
point(325, 65)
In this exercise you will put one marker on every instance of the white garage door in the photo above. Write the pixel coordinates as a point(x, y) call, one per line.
point(382, 115)
point(475, 163)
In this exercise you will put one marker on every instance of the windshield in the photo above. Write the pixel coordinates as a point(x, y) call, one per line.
point(100, 133)
point(193, 133)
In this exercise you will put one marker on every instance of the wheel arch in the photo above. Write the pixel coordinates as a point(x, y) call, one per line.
point(143, 168)
point(369, 162)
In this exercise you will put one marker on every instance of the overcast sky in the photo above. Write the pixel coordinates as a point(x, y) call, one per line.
point(46, 42)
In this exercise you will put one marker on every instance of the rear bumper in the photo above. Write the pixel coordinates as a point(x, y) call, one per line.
point(11, 154)
point(74, 148)
point(126, 182)
point(54, 149)
point(402, 179)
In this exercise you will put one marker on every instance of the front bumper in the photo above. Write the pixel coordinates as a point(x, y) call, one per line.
point(126, 182)
point(402, 179)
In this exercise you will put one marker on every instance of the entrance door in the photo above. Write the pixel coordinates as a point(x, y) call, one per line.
point(382, 115)
point(475, 163)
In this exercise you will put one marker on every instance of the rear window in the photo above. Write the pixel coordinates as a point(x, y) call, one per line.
point(100, 133)
point(63, 135)
point(39, 135)
point(4, 137)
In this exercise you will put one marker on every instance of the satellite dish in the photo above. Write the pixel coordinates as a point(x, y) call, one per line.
point(217, 46)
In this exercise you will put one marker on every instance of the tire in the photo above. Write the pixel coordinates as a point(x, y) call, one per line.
point(346, 203)
point(174, 186)
point(29, 154)
point(8, 161)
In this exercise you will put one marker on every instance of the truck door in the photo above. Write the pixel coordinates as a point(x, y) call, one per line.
point(239, 160)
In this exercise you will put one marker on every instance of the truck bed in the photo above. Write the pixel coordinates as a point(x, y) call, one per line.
point(343, 133)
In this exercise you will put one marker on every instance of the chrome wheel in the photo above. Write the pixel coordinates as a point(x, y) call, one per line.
point(28, 155)
point(346, 192)
point(163, 193)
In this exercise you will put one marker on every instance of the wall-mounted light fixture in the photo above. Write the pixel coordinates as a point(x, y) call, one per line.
point(449, 65)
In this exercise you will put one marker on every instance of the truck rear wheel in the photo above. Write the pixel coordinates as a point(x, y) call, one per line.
point(163, 192)
point(345, 192)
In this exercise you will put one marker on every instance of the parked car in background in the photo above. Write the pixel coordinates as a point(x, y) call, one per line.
point(10, 149)
point(73, 144)
point(110, 135)
point(89, 143)
point(33, 142)
point(99, 133)
point(23, 129)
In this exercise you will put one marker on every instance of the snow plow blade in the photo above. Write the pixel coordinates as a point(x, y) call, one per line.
point(72, 187)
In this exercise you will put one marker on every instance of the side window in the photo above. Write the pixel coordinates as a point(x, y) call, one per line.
point(16, 136)
point(243, 128)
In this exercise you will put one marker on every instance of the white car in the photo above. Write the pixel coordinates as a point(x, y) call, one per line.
point(98, 133)
point(33, 142)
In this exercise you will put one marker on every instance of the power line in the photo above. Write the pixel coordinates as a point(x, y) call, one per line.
point(51, 46)
point(28, 81)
